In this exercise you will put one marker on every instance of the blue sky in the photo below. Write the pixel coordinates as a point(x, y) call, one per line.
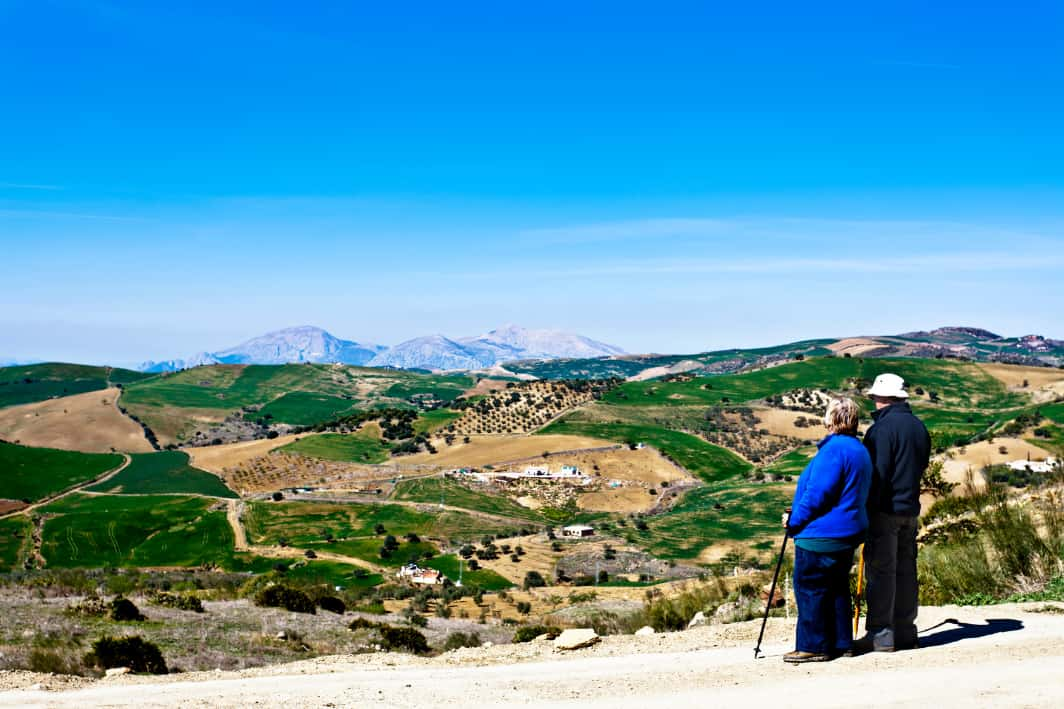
point(666, 177)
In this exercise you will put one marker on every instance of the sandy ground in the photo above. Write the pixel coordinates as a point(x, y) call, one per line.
point(87, 422)
point(780, 422)
point(488, 450)
point(855, 346)
point(217, 458)
point(990, 656)
point(686, 365)
point(978, 455)
point(621, 499)
point(1013, 376)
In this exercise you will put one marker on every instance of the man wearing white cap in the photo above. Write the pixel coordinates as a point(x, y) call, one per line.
point(900, 448)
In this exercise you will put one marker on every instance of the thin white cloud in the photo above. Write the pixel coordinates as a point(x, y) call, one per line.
point(932, 265)
point(785, 228)
point(45, 214)
point(25, 186)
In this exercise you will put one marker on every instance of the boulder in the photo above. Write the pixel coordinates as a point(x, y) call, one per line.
point(727, 612)
point(576, 638)
point(645, 630)
point(116, 672)
point(698, 619)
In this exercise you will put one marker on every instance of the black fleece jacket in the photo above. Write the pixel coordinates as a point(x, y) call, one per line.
point(900, 448)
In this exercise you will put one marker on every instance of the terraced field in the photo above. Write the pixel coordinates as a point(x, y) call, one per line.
point(35, 473)
point(166, 472)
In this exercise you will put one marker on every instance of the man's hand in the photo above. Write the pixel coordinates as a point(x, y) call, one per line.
point(785, 517)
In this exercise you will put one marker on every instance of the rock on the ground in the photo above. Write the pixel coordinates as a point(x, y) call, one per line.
point(116, 671)
point(576, 638)
point(645, 630)
point(698, 619)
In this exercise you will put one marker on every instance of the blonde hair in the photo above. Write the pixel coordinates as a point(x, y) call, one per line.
point(842, 416)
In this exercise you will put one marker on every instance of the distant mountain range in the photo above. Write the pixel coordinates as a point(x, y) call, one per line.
point(433, 352)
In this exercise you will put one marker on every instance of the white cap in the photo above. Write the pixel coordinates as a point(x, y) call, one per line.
point(888, 386)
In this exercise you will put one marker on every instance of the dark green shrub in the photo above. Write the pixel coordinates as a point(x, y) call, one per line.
point(332, 604)
point(362, 624)
point(527, 633)
point(457, 640)
point(403, 639)
point(534, 579)
point(524, 607)
point(180, 601)
point(133, 652)
point(281, 596)
point(123, 609)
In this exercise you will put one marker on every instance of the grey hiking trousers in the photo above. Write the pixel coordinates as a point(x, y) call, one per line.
point(890, 574)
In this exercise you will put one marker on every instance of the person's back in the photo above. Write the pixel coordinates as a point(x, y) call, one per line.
point(900, 448)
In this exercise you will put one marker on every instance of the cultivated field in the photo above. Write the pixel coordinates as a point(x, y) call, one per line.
point(165, 472)
point(88, 422)
point(217, 458)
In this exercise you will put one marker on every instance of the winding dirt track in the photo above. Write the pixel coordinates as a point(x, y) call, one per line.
point(989, 656)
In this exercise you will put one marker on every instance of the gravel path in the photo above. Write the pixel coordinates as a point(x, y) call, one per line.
point(1008, 655)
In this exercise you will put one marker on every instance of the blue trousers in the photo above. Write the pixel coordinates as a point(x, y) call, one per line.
point(822, 589)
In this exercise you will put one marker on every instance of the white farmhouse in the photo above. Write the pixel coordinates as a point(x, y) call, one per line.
point(578, 530)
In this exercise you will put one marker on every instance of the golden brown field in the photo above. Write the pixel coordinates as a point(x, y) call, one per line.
point(87, 422)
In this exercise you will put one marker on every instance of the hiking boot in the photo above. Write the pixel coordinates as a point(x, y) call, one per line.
point(796, 657)
point(883, 641)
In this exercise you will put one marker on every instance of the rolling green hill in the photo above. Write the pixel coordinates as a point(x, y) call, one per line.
point(36, 382)
point(297, 394)
point(35, 473)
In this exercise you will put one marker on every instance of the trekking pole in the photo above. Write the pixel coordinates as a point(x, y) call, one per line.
point(772, 589)
point(860, 590)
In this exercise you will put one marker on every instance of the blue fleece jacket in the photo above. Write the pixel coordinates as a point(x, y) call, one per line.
point(833, 491)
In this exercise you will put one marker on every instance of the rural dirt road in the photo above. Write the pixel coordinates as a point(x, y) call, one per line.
point(991, 656)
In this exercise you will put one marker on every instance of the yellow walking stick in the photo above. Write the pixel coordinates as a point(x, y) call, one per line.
point(860, 590)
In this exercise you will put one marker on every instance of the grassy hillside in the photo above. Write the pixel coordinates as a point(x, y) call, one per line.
point(451, 493)
point(37, 382)
point(957, 384)
point(298, 394)
point(352, 527)
point(748, 518)
point(163, 472)
point(360, 447)
point(35, 473)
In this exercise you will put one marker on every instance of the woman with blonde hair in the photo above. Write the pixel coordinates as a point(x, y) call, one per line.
point(828, 521)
